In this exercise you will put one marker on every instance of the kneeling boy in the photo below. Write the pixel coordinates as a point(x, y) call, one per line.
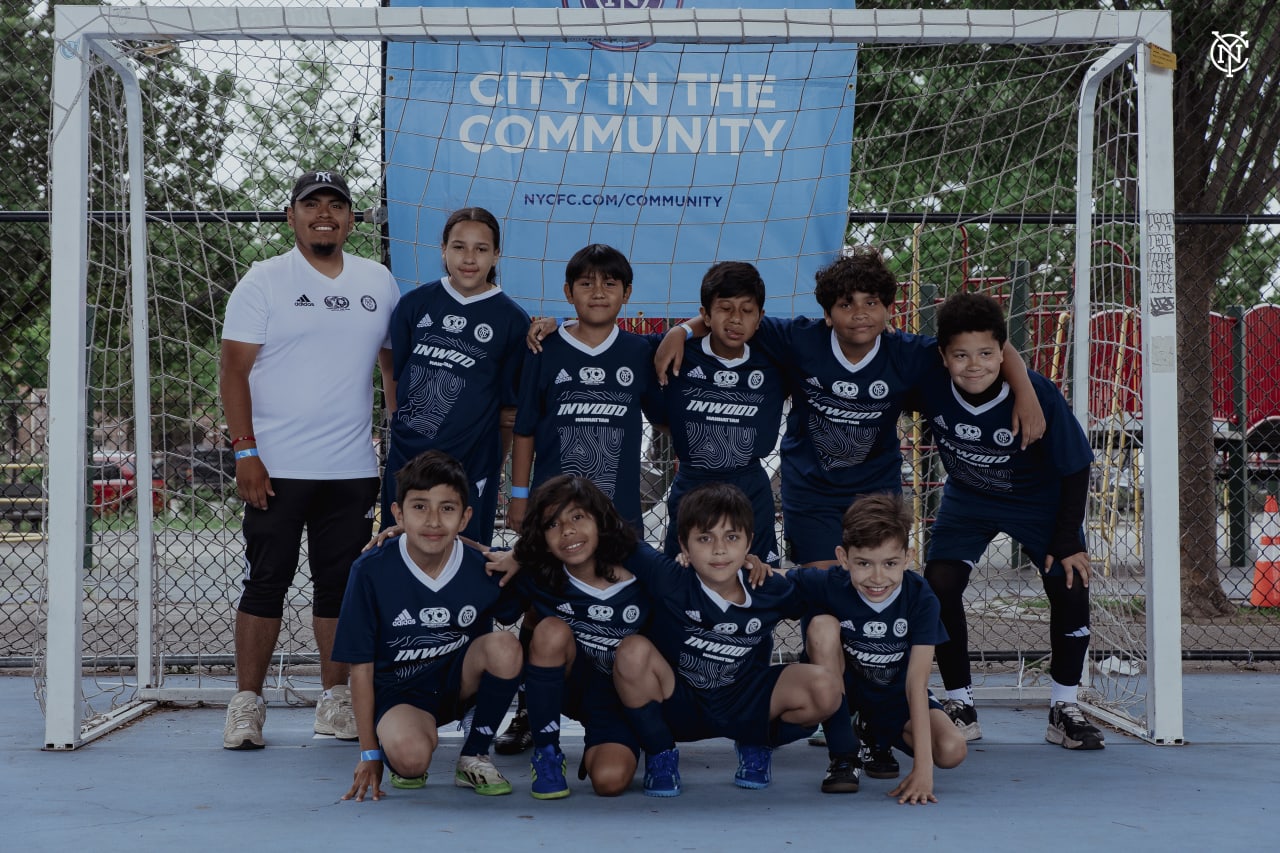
point(706, 672)
point(876, 625)
point(415, 626)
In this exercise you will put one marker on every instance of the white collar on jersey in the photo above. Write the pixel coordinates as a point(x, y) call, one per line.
point(879, 606)
point(579, 345)
point(985, 407)
point(863, 362)
point(723, 603)
point(451, 566)
point(727, 362)
point(596, 592)
point(467, 300)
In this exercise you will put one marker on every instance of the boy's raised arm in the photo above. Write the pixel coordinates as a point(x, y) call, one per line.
point(671, 351)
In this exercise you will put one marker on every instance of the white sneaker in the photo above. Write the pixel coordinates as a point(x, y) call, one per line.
point(478, 773)
point(245, 715)
point(335, 715)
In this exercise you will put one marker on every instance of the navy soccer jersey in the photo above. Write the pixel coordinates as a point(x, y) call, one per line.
point(842, 431)
point(711, 643)
point(599, 618)
point(986, 467)
point(877, 638)
point(583, 406)
point(457, 362)
point(411, 626)
point(724, 415)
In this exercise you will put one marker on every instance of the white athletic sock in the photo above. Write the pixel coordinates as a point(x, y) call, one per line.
point(963, 694)
point(1062, 693)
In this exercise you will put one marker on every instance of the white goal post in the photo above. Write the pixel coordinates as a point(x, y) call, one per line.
point(91, 36)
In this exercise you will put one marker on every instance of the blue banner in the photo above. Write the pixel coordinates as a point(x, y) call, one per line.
point(679, 155)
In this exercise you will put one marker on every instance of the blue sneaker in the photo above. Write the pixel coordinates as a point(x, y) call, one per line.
point(755, 766)
point(662, 774)
point(548, 773)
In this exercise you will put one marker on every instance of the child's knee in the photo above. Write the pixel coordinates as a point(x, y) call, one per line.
point(823, 632)
point(551, 637)
point(949, 752)
point(611, 780)
point(631, 658)
point(505, 656)
point(410, 756)
point(827, 691)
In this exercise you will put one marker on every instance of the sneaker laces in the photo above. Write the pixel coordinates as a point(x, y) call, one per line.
point(244, 715)
point(662, 764)
point(1072, 712)
point(755, 758)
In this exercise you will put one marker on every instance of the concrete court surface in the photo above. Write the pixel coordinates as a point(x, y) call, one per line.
point(165, 783)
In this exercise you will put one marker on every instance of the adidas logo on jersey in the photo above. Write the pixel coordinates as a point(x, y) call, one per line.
point(405, 618)
point(304, 302)
point(697, 373)
point(813, 380)
point(480, 484)
point(771, 557)
point(565, 607)
point(425, 322)
point(848, 625)
point(695, 615)
point(563, 376)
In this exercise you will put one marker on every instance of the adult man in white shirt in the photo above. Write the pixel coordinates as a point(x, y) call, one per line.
point(302, 333)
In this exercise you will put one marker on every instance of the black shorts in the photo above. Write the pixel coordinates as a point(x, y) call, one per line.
point(440, 695)
point(335, 514)
point(740, 712)
point(591, 699)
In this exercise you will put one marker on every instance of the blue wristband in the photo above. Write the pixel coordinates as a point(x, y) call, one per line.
point(245, 454)
point(519, 491)
point(688, 330)
point(371, 755)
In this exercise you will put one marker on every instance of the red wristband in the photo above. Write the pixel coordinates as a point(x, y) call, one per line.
point(236, 441)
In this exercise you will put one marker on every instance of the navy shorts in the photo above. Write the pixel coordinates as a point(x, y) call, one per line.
point(440, 695)
point(335, 514)
point(812, 520)
point(964, 536)
point(886, 720)
point(740, 711)
point(754, 482)
point(591, 699)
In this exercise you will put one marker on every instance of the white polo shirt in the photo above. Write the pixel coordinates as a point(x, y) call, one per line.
point(312, 382)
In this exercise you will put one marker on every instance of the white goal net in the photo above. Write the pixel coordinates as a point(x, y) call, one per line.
point(1022, 154)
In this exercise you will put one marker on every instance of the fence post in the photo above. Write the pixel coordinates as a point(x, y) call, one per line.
point(1238, 533)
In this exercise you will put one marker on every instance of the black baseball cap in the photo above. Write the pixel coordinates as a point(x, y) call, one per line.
point(321, 179)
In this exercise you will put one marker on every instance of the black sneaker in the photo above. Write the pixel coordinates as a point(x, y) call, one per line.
point(517, 738)
point(1070, 729)
point(843, 775)
point(965, 717)
point(881, 763)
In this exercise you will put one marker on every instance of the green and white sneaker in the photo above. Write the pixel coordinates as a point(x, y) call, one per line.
point(478, 773)
point(412, 783)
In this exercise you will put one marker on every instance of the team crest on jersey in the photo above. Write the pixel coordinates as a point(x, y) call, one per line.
point(630, 614)
point(425, 322)
point(405, 618)
point(1003, 437)
point(878, 389)
point(600, 612)
point(337, 303)
point(726, 628)
point(591, 375)
point(484, 333)
point(625, 376)
point(875, 630)
point(563, 376)
point(433, 617)
point(755, 379)
point(466, 616)
point(696, 373)
point(940, 422)
point(454, 323)
point(753, 625)
point(843, 388)
point(725, 378)
point(968, 432)
point(368, 303)
point(900, 628)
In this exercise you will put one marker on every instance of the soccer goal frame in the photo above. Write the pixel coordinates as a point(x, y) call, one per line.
point(88, 34)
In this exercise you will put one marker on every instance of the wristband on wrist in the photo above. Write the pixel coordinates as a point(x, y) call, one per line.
point(688, 330)
point(370, 755)
point(519, 491)
point(241, 440)
point(245, 454)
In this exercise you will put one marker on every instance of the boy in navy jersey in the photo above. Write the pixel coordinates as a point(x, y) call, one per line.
point(703, 670)
point(1034, 494)
point(847, 376)
point(457, 348)
point(581, 397)
point(572, 545)
point(876, 626)
point(725, 407)
point(415, 627)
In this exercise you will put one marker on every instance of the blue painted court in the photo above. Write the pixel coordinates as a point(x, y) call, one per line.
point(166, 783)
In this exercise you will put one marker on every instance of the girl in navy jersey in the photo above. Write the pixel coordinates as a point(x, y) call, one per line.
point(456, 347)
point(572, 544)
